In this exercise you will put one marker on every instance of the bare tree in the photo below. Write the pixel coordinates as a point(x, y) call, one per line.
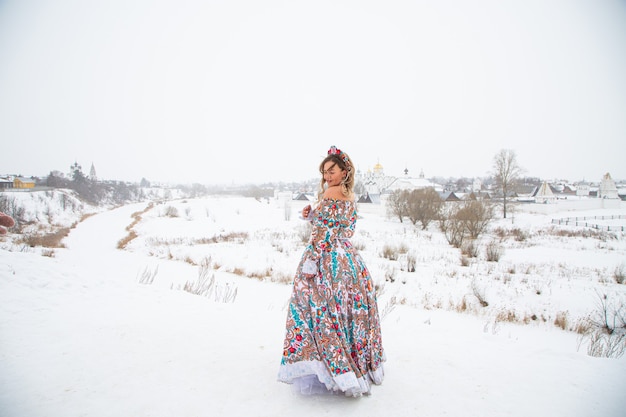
point(424, 205)
point(397, 204)
point(467, 220)
point(475, 216)
point(506, 172)
point(450, 224)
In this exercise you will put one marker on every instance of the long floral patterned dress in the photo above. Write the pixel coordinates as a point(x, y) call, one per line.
point(333, 338)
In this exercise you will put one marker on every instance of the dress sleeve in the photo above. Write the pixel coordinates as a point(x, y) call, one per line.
point(313, 250)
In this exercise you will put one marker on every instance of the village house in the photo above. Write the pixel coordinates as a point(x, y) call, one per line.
point(23, 183)
point(5, 183)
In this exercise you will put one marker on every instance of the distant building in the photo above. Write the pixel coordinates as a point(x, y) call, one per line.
point(544, 194)
point(406, 182)
point(5, 183)
point(449, 196)
point(583, 189)
point(477, 185)
point(304, 197)
point(377, 184)
point(92, 173)
point(608, 189)
point(23, 183)
point(366, 198)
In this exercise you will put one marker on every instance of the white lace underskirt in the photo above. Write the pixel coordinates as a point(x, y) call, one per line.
point(312, 377)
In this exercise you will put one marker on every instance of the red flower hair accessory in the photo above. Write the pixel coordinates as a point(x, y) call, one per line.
point(335, 151)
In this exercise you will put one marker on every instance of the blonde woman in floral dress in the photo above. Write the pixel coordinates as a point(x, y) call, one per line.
point(333, 339)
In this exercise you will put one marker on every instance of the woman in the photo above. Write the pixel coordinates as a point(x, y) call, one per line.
point(333, 339)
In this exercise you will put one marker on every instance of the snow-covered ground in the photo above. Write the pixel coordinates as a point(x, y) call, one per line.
point(91, 330)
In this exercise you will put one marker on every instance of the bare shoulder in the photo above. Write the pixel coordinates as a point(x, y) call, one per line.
point(335, 194)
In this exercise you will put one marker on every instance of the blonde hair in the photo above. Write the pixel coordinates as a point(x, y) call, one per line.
point(343, 161)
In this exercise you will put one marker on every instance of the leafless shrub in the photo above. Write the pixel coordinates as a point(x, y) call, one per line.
point(476, 216)
point(304, 232)
point(380, 289)
point(390, 252)
point(411, 261)
point(260, 275)
point(403, 248)
point(358, 245)
point(519, 235)
point(506, 316)
point(610, 314)
point(561, 320)
point(583, 232)
point(582, 326)
point(532, 317)
point(516, 233)
point(388, 308)
point(620, 273)
point(469, 248)
point(148, 275)
point(479, 293)
point(493, 251)
point(500, 232)
point(171, 211)
point(226, 293)
point(605, 333)
point(238, 271)
point(205, 285)
point(281, 278)
point(206, 262)
point(602, 344)
point(390, 274)
point(238, 237)
point(461, 306)
point(451, 226)
point(495, 327)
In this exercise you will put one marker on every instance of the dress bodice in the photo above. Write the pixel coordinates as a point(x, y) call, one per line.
point(333, 220)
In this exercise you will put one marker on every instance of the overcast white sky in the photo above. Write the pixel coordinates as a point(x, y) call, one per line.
point(236, 91)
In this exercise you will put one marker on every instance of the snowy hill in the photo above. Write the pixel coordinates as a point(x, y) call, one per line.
point(98, 331)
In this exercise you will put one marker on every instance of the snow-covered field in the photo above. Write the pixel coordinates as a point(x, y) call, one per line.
point(92, 330)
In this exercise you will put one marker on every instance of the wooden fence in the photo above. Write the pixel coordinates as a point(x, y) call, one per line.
point(582, 221)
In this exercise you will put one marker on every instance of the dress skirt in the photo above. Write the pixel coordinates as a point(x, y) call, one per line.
point(333, 338)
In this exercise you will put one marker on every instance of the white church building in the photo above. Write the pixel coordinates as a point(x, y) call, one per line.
point(377, 184)
point(608, 189)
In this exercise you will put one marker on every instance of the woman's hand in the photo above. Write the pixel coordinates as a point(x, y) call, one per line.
point(306, 211)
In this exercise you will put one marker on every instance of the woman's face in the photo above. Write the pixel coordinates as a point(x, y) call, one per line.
point(333, 175)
